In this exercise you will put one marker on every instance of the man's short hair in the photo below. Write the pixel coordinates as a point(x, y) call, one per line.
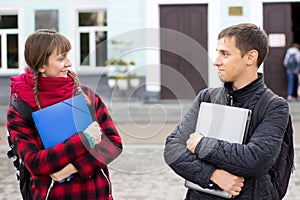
point(248, 37)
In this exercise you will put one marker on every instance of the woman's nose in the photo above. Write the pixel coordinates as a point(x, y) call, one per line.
point(68, 63)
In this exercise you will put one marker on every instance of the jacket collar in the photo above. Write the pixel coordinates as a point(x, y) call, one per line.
point(244, 94)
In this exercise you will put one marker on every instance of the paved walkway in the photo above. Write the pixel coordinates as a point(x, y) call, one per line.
point(140, 172)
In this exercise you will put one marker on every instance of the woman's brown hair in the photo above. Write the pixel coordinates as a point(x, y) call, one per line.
point(38, 47)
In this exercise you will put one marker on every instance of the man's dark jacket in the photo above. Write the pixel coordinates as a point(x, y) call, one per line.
point(251, 160)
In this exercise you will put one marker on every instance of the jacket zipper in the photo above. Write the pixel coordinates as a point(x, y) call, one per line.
point(109, 184)
point(231, 100)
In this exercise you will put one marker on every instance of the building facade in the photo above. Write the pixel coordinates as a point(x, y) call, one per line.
point(168, 44)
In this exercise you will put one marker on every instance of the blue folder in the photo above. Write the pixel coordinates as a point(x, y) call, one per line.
point(60, 121)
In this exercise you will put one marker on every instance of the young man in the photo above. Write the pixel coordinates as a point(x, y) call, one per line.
point(239, 169)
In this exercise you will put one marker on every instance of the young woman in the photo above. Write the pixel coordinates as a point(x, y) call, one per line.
point(85, 155)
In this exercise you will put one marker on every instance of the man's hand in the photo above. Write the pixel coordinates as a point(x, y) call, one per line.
point(192, 142)
point(65, 172)
point(227, 181)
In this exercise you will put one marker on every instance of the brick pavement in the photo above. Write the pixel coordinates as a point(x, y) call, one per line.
point(140, 172)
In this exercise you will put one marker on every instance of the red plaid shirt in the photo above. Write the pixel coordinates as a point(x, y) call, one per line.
point(92, 179)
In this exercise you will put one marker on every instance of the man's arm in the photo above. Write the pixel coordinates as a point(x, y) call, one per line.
point(258, 155)
point(179, 158)
point(225, 180)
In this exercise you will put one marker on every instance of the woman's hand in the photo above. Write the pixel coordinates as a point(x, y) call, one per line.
point(94, 131)
point(65, 172)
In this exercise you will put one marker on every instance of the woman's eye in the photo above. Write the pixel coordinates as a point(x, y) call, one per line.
point(62, 57)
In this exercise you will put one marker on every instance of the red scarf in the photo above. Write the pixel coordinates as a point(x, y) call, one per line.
point(51, 90)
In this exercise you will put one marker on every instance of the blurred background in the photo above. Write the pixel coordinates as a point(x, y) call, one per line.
point(147, 59)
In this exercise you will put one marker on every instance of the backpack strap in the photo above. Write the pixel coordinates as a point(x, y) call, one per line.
point(215, 95)
point(23, 175)
point(261, 106)
point(23, 108)
point(206, 96)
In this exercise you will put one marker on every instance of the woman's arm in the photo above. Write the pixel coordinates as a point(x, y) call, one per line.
point(38, 160)
point(110, 146)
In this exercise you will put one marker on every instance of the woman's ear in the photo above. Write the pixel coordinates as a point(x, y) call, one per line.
point(252, 56)
point(42, 69)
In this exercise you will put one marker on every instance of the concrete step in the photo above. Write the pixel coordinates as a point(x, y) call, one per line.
point(295, 110)
point(168, 111)
point(141, 112)
point(3, 111)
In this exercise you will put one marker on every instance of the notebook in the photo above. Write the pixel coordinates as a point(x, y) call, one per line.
point(222, 122)
point(60, 121)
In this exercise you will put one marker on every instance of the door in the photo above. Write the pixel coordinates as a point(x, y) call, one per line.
point(184, 66)
point(277, 21)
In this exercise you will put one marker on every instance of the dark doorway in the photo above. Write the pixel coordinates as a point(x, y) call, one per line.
point(280, 18)
point(296, 22)
point(181, 79)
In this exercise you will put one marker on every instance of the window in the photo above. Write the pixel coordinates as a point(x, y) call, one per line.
point(9, 40)
point(92, 26)
point(97, 18)
point(12, 51)
point(8, 21)
point(46, 19)
point(101, 48)
point(84, 49)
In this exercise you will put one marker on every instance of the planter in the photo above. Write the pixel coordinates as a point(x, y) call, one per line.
point(134, 82)
point(111, 83)
point(122, 84)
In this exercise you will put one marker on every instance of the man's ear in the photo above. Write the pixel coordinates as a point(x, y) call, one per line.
point(252, 56)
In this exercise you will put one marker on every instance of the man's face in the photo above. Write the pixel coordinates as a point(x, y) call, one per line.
point(230, 63)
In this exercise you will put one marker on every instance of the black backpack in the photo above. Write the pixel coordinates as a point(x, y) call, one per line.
point(284, 166)
point(23, 175)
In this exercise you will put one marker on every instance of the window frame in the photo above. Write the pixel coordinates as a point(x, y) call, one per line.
point(91, 30)
point(4, 70)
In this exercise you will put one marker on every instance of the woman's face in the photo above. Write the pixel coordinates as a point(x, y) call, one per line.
point(57, 66)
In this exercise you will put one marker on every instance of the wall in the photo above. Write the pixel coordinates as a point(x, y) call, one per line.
point(126, 22)
point(137, 22)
